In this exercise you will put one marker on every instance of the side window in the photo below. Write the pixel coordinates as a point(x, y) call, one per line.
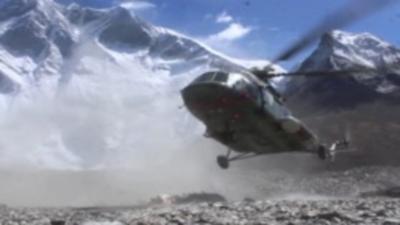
point(221, 77)
point(253, 91)
point(276, 109)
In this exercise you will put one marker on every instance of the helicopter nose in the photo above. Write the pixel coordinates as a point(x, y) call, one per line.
point(200, 96)
point(204, 100)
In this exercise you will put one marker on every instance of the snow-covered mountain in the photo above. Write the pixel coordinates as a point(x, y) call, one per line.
point(363, 104)
point(339, 50)
point(39, 40)
point(88, 88)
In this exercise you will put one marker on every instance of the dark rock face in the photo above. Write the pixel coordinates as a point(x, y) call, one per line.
point(13, 8)
point(126, 30)
point(62, 39)
point(43, 29)
point(32, 33)
point(81, 16)
point(168, 47)
point(25, 38)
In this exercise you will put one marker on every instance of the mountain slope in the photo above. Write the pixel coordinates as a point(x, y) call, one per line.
point(365, 104)
point(96, 87)
point(39, 39)
point(340, 50)
point(44, 35)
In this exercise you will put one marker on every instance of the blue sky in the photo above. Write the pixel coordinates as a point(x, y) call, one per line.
point(253, 28)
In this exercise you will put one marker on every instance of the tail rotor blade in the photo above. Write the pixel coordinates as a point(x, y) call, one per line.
point(357, 69)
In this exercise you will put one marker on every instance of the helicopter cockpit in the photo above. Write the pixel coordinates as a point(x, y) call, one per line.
point(214, 76)
point(265, 96)
point(236, 81)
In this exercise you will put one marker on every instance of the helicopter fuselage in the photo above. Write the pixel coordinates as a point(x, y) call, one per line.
point(245, 116)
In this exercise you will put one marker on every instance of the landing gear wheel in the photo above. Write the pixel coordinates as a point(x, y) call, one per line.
point(223, 162)
point(322, 152)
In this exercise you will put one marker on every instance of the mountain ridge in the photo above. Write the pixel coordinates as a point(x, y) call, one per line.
point(37, 37)
point(364, 105)
point(339, 50)
point(95, 86)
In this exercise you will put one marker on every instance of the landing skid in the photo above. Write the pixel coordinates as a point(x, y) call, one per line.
point(325, 153)
point(223, 161)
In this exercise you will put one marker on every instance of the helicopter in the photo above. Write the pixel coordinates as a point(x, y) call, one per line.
point(243, 111)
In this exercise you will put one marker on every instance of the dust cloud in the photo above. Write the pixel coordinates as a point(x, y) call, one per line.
point(113, 136)
point(110, 131)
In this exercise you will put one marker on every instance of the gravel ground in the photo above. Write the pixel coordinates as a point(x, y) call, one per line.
point(369, 195)
point(356, 211)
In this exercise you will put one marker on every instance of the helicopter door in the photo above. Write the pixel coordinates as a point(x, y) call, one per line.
point(273, 107)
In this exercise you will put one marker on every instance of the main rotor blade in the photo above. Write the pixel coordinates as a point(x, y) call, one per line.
point(328, 73)
point(315, 73)
point(355, 10)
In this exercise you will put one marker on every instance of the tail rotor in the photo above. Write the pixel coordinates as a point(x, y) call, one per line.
point(329, 152)
point(347, 140)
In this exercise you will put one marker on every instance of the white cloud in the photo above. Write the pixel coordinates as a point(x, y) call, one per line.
point(225, 40)
point(233, 32)
point(136, 5)
point(224, 17)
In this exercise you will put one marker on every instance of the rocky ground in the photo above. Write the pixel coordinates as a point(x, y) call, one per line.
point(369, 195)
point(356, 211)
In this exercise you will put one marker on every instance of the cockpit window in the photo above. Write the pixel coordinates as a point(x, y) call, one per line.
point(205, 77)
point(221, 77)
point(212, 76)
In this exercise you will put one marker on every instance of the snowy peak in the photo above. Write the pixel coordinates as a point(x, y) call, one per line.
point(126, 31)
point(342, 50)
point(34, 26)
point(366, 40)
point(78, 15)
point(339, 50)
point(10, 9)
point(40, 39)
point(364, 104)
point(88, 80)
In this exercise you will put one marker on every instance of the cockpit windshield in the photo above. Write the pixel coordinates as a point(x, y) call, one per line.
point(212, 77)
